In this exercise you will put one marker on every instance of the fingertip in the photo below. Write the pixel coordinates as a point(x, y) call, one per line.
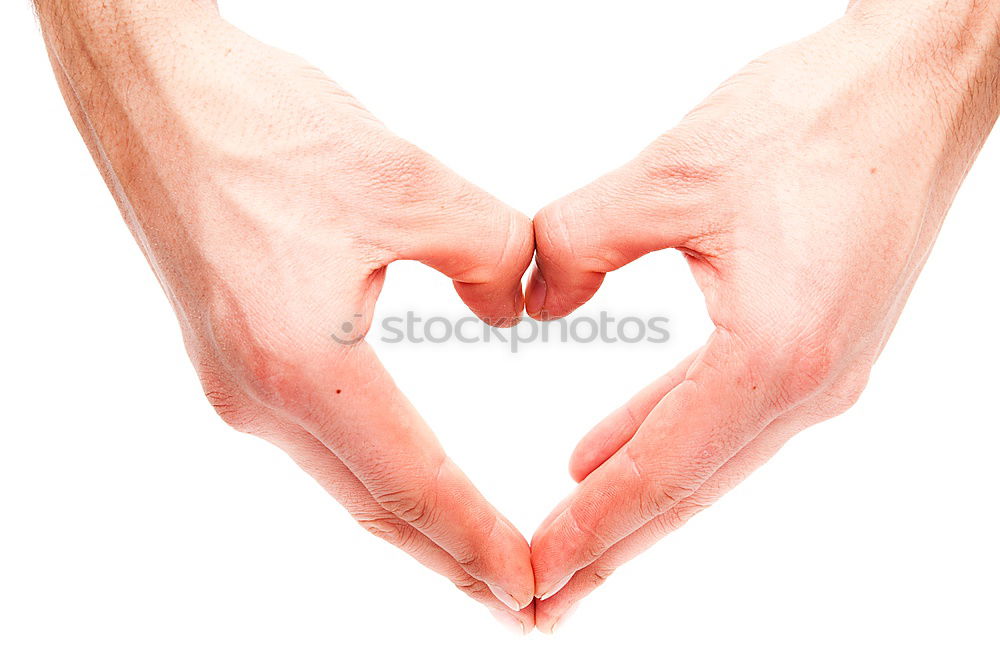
point(582, 461)
point(559, 585)
point(549, 567)
point(551, 614)
point(599, 445)
point(580, 467)
point(519, 577)
point(610, 434)
point(513, 317)
point(492, 306)
point(513, 622)
point(551, 546)
point(557, 293)
point(545, 621)
point(547, 521)
point(505, 598)
point(553, 622)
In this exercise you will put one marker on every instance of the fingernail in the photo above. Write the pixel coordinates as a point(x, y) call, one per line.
point(536, 293)
point(509, 622)
point(556, 588)
point(518, 301)
point(563, 618)
point(506, 598)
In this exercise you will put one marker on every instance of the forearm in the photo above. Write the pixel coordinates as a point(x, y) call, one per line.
point(140, 80)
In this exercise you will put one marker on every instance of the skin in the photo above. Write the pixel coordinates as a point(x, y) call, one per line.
point(806, 194)
point(269, 203)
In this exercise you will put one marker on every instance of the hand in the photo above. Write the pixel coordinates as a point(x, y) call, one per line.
point(269, 203)
point(806, 193)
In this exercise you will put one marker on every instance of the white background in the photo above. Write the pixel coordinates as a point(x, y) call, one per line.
point(135, 527)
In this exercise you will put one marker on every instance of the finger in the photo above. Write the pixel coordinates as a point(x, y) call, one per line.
point(328, 470)
point(618, 428)
point(691, 433)
point(549, 612)
point(642, 207)
point(355, 409)
point(324, 466)
point(473, 238)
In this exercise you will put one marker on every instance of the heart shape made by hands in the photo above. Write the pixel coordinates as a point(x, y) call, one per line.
point(271, 208)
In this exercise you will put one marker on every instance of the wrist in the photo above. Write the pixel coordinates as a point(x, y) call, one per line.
point(939, 63)
point(945, 30)
point(118, 14)
point(131, 65)
point(128, 70)
point(121, 38)
point(939, 41)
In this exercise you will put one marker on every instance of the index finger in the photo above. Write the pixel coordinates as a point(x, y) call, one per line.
point(356, 410)
point(712, 413)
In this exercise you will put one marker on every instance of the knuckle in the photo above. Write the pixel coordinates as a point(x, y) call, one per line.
point(478, 553)
point(807, 371)
point(399, 171)
point(683, 173)
point(667, 523)
point(551, 232)
point(475, 554)
point(410, 506)
point(601, 573)
point(690, 507)
point(505, 245)
point(262, 364)
point(664, 524)
point(564, 237)
point(595, 543)
point(468, 559)
point(388, 528)
point(657, 494)
point(853, 391)
point(676, 163)
point(675, 517)
point(518, 245)
point(414, 505)
point(794, 354)
point(265, 374)
point(232, 410)
point(475, 589)
point(800, 363)
point(844, 396)
point(661, 497)
point(232, 407)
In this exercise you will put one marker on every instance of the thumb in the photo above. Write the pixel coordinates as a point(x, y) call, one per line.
point(476, 240)
point(655, 202)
